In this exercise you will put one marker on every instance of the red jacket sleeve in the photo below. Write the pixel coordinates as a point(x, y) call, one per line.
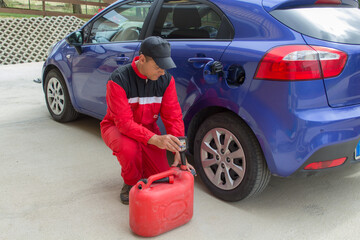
point(171, 113)
point(120, 112)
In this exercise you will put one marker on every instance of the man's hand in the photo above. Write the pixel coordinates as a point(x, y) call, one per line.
point(177, 161)
point(172, 144)
point(168, 142)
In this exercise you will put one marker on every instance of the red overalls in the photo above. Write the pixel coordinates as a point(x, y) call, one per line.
point(133, 109)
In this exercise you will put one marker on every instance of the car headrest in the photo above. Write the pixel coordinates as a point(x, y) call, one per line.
point(186, 17)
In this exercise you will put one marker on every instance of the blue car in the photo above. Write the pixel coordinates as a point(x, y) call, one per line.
point(285, 99)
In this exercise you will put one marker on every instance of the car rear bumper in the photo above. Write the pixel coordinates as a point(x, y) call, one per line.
point(297, 127)
point(328, 153)
point(318, 135)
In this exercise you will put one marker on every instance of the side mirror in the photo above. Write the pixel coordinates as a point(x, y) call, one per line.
point(76, 40)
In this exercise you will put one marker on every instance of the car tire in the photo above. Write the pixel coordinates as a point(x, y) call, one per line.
point(57, 98)
point(229, 159)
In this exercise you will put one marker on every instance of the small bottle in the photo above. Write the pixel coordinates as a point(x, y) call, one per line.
point(183, 147)
point(182, 152)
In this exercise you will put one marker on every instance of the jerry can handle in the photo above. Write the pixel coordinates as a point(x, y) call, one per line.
point(169, 179)
point(169, 173)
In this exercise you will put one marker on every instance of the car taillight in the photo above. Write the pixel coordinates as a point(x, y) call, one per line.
point(332, 61)
point(300, 62)
point(325, 164)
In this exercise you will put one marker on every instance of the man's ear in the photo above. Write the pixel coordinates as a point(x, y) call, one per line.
point(142, 58)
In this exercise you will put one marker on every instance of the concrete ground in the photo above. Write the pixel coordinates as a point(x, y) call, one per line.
point(60, 181)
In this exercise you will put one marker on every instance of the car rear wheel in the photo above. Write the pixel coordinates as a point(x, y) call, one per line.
point(57, 98)
point(229, 159)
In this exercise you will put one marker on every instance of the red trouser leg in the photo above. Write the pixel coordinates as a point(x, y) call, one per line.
point(137, 160)
point(154, 160)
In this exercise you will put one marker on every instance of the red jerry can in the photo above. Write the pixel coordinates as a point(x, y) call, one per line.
point(155, 208)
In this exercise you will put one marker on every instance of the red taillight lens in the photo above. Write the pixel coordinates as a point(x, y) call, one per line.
point(328, 2)
point(325, 164)
point(296, 62)
point(300, 62)
point(332, 61)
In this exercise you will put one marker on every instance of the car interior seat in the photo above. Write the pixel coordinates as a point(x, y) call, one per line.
point(187, 21)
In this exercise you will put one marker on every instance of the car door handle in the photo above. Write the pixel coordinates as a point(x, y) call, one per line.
point(200, 60)
point(121, 60)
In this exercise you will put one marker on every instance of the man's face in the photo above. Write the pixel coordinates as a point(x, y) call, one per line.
point(150, 68)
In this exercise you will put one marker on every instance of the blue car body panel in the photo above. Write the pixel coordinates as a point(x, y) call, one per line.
point(292, 120)
point(92, 69)
point(190, 83)
point(343, 90)
point(57, 59)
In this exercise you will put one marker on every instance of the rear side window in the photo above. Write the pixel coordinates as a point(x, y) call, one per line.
point(335, 24)
point(190, 19)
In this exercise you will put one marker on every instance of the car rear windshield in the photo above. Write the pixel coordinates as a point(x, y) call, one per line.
point(335, 24)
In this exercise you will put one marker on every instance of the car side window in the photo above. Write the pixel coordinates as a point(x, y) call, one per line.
point(123, 23)
point(189, 19)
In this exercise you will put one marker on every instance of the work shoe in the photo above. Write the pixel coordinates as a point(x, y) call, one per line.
point(124, 195)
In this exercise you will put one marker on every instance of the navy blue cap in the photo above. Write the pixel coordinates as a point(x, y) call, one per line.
point(158, 49)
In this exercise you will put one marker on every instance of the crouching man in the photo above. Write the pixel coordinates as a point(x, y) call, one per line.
point(137, 94)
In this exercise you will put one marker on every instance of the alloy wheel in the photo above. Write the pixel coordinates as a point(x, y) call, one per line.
point(55, 96)
point(223, 158)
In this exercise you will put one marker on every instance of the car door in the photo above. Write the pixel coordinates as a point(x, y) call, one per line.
point(111, 40)
point(198, 33)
